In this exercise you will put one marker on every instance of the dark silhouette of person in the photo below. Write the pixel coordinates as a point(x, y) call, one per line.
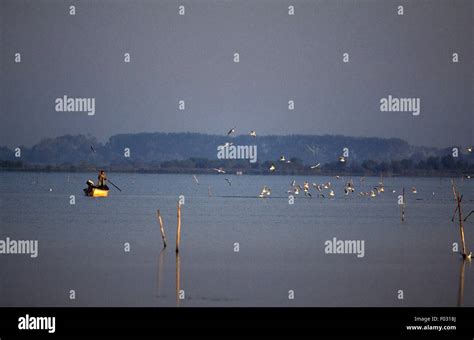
point(101, 179)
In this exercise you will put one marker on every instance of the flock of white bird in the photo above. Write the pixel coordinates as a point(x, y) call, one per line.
point(322, 190)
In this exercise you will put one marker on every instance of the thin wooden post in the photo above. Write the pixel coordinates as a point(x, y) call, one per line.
point(162, 229)
point(454, 188)
point(461, 226)
point(178, 228)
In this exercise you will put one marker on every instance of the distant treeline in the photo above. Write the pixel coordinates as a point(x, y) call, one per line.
point(150, 148)
point(198, 153)
point(433, 166)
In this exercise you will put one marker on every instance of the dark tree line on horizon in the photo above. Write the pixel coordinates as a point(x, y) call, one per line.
point(433, 166)
point(194, 152)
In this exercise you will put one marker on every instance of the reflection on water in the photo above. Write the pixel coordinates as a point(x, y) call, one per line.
point(461, 282)
point(161, 262)
point(281, 246)
point(178, 278)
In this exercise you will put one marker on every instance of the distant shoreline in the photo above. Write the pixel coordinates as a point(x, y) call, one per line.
point(52, 169)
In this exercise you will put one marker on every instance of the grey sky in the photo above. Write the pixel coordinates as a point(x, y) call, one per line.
point(282, 57)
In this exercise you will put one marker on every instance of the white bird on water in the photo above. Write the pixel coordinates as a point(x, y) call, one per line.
point(253, 133)
point(317, 186)
point(272, 167)
point(306, 189)
point(265, 192)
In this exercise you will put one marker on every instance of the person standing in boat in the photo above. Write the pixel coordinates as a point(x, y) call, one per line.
point(101, 179)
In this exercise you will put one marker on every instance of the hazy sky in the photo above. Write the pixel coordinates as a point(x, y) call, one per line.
point(282, 58)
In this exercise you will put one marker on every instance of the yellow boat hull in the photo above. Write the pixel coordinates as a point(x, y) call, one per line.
point(96, 192)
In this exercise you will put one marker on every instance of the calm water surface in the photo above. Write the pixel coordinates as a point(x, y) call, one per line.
point(81, 246)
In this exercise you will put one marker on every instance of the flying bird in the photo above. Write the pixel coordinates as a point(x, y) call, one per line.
point(228, 181)
point(231, 131)
point(315, 166)
point(342, 159)
point(92, 148)
point(272, 167)
point(219, 171)
point(253, 133)
point(312, 149)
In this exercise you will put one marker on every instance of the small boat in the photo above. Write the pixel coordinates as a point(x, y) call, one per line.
point(93, 191)
point(96, 192)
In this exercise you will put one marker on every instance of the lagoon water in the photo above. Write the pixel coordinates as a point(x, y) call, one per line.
point(281, 246)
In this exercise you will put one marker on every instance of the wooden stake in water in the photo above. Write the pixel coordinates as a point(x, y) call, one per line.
point(162, 229)
point(454, 188)
point(178, 228)
point(461, 226)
